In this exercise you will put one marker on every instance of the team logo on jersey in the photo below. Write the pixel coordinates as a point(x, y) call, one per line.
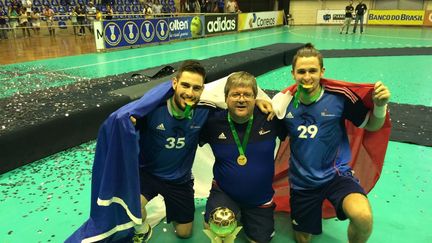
point(263, 132)
point(289, 115)
point(326, 113)
point(160, 127)
point(222, 136)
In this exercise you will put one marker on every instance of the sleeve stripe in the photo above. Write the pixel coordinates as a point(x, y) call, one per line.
point(343, 90)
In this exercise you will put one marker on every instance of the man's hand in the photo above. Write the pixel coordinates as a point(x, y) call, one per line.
point(381, 94)
point(266, 107)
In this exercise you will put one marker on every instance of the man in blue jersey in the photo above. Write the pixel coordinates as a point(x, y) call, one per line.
point(243, 143)
point(320, 151)
point(168, 140)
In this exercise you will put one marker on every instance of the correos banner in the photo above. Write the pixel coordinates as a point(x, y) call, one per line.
point(258, 20)
point(428, 18)
point(396, 17)
point(215, 24)
point(336, 16)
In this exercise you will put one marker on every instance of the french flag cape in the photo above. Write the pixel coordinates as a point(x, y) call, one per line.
point(368, 148)
point(115, 193)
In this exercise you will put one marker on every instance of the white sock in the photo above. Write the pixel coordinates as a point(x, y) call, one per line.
point(142, 228)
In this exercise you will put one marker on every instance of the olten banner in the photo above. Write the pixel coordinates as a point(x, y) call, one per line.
point(396, 17)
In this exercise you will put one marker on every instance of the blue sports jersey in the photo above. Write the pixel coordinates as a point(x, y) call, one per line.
point(250, 184)
point(318, 139)
point(168, 145)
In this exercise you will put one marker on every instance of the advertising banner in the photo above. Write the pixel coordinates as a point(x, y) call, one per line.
point(334, 16)
point(248, 21)
point(428, 18)
point(186, 27)
point(396, 17)
point(120, 33)
point(215, 24)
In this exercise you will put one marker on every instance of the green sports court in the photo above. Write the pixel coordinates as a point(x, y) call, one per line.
point(48, 199)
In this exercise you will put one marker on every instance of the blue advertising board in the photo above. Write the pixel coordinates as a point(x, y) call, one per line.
point(120, 33)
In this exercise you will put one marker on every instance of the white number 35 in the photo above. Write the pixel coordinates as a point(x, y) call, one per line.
point(175, 143)
point(306, 131)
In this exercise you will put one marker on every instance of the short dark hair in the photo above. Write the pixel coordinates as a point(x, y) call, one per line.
point(192, 66)
point(308, 51)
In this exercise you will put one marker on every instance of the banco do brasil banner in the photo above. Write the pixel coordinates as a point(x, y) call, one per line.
point(396, 17)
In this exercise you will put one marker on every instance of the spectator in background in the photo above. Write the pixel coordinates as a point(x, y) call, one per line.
point(91, 15)
point(74, 19)
point(27, 4)
point(109, 12)
point(49, 15)
point(182, 6)
point(157, 7)
point(190, 6)
point(221, 6)
point(360, 11)
point(147, 11)
point(205, 6)
point(13, 15)
point(35, 16)
point(348, 17)
point(98, 15)
point(23, 22)
point(81, 18)
point(3, 26)
point(232, 7)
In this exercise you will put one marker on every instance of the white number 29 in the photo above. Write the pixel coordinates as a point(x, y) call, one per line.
point(307, 130)
point(173, 143)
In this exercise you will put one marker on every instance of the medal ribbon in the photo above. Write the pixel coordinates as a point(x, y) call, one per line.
point(180, 115)
point(300, 89)
point(240, 146)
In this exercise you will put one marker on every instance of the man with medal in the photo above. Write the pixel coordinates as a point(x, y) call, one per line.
point(333, 126)
point(243, 143)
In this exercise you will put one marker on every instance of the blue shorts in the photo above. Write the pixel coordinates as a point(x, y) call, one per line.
point(306, 205)
point(257, 222)
point(179, 198)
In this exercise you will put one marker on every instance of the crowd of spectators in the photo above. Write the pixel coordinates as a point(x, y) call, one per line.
point(28, 15)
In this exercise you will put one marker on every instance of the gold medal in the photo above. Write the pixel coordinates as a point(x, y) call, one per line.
point(241, 160)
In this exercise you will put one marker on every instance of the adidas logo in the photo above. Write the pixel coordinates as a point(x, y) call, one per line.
point(222, 136)
point(161, 127)
point(289, 115)
point(262, 132)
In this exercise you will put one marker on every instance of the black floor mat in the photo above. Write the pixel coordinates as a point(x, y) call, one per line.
point(374, 52)
point(411, 124)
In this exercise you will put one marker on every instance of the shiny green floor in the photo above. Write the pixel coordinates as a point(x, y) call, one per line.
point(48, 199)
